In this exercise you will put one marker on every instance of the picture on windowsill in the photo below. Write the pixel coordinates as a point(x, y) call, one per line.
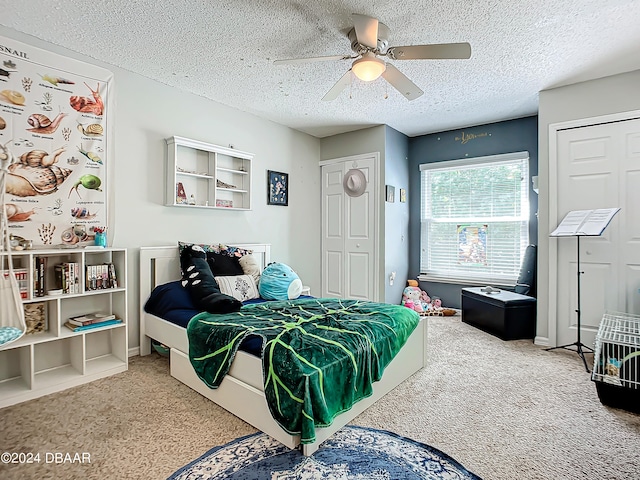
point(277, 188)
point(472, 245)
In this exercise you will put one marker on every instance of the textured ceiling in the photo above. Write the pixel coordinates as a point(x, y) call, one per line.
point(225, 51)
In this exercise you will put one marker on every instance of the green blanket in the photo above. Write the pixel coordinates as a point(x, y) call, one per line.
point(319, 356)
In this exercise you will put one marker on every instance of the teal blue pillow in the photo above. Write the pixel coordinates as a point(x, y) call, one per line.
point(279, 282)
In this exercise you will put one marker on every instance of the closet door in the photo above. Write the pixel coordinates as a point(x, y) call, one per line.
point(349, 233)
point(598, 167)
point(333, 220)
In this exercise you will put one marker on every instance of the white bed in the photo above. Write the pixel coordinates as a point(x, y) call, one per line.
point(241, 391)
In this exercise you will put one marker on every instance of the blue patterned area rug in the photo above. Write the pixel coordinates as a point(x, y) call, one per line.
point(352, 453)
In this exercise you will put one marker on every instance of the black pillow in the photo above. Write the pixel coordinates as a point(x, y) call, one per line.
point(202, 287)
point(222, 265)
point(167, 297)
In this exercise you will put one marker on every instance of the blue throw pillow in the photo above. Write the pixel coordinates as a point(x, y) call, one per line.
point(279, 282)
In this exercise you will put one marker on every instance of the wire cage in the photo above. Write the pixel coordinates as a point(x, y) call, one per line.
point(616, 361)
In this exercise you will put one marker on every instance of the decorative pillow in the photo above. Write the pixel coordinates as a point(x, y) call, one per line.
point(233, 251)
point(167, 297)
point(279, 282)
point(222, 259)
point(202, 287)
point(224, 265)
point(217, 248)
point(241, 287)
point(250, 266)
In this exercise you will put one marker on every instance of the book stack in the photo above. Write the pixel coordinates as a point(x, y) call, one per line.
point(22, 278)
point(89, 321)
point(98, 277)
point(68, 277)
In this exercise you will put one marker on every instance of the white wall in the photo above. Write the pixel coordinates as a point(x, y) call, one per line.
point(604, 96)
point(147, 112)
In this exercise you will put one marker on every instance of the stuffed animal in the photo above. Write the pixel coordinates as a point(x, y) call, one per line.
point(411, 298)
point(416, 299)
point(279, 282)
point(202, 287)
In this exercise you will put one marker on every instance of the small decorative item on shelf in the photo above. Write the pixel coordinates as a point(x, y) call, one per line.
point(35, 317)
point(181, 195)
point(100, 239)
point(224, 203)
point(221, 184)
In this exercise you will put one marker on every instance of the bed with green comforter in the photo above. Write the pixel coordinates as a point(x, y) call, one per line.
point(319, 356)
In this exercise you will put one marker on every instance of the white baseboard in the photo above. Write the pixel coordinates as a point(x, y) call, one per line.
point(542, 341)
point(134, 351)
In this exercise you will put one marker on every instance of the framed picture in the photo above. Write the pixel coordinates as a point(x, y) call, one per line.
point(277, 188)
point(403, 195)
point(391, 193)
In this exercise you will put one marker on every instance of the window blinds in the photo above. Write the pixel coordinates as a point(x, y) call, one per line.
point(475, 218)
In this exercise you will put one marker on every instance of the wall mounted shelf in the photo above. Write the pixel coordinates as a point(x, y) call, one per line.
point(204, 175)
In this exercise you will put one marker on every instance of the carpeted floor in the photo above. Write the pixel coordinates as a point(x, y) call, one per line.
point(502, 409)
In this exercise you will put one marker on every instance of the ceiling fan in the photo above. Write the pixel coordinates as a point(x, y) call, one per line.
point(369, 40)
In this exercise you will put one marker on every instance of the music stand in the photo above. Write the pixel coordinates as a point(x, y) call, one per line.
point(581, 223)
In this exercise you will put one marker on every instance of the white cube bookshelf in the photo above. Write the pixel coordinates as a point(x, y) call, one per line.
point(58, 358)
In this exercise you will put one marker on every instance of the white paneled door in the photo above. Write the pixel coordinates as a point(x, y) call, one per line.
point(349, 232)
point(598, 167)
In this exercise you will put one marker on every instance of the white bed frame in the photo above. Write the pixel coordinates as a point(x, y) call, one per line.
point(241, 391)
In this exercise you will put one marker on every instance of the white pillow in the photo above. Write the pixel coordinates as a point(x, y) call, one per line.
point(250, 266)
point(241, 287)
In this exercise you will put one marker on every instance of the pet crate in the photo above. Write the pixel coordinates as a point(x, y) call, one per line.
point(616, 361)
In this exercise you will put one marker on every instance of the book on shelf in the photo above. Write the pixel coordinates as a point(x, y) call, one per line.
point(39, 276)
point(585, 222)
point(91, 318)
point(98, 277)
point(67, 276)
point(22, 277)
point(82, 328)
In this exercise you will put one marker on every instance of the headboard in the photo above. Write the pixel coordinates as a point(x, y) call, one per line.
point(160, 265)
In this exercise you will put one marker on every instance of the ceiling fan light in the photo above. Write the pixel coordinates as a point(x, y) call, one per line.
point(368, 67)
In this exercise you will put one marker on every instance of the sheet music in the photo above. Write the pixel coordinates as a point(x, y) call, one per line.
point(585, 222)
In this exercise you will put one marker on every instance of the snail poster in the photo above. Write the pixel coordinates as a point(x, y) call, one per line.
point(54, 142)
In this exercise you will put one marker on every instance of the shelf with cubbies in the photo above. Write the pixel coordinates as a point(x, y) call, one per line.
point(51, 357)
point(203, 175)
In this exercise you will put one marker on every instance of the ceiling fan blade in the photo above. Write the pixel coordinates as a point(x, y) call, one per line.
point(366, 30)
point(294, 61)
point(430, 52)
point(400, 82)
point(337, 89)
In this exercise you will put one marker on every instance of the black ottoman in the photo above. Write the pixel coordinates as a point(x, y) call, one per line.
point(507, 315)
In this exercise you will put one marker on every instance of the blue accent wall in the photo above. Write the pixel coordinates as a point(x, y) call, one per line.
point(490, 139)
point(396, 215)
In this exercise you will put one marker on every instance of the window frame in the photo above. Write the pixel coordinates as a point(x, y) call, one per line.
point(465, 277)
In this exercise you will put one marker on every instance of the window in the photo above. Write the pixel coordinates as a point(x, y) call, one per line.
point(475, 219)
